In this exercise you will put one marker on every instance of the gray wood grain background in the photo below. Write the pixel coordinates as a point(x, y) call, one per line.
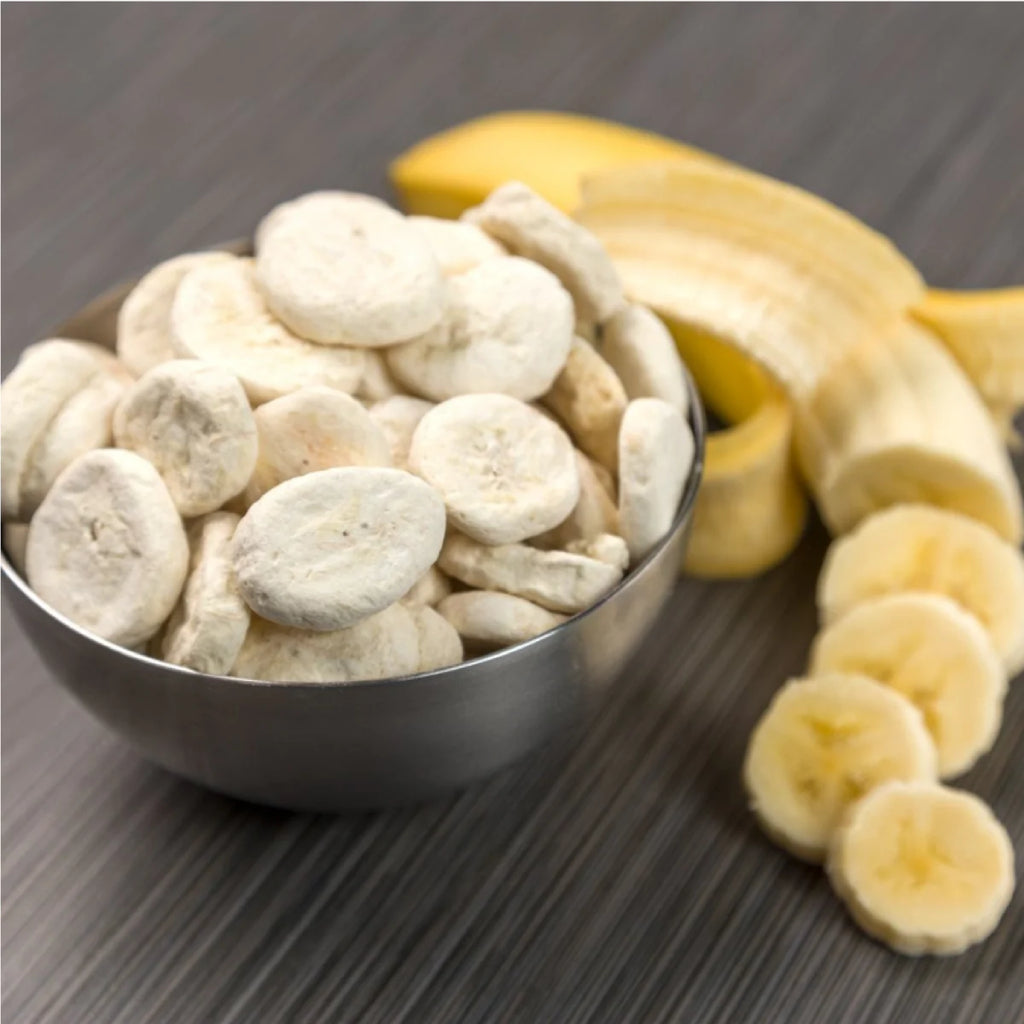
point(619, 877)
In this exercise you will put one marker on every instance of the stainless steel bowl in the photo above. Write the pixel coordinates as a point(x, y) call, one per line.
point(337, 746)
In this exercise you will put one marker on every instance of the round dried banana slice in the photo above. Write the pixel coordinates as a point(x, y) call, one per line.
point(398, 417)
point(507, 328)
point(556, 580)
point(377, 383)
point(193, 422)
point(457, 245)
point(219, 316)
point(505, 472)
point(144, 337)
point(440, 644)
point(381, 645)
point(656, 452)
point(324, 550)
point(594, 514)
point(640, 349)
point(309, 430)
point(107, 547)
point(430, 588)
point(340, 268)
point(490, 619)
point(209, 624)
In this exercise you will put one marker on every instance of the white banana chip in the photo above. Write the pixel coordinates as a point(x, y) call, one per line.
point(209, 624)
point(594, 513)
point(429, 589)
point(107, 547)
point(440, 644)
point(507, 328)
point(605, 547)
point(193, 422)
point(457, 245)
point(340, 268)
point(144, 338)
point(220, 316)
point(556, 580)
point(377, 383)
point(656, 452)
point(398, 417)
point(324, 550)
point(491, 619)
point(505, 472)
point(312, 429)
point(381, 645)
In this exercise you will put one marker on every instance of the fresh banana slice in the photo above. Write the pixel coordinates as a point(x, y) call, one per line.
point(312, 429)
point(398, 418)
point(207, 628)
point(530, 226)
point(923, 868)
point(899, 422)
point(556, 580)
point(380, 646)
point(219, 316)
point(507, 328)
point(656, 453)
point(193, 422)
point(605, 547)
point(429, 589)
point(934, 653)
point(324, 550)
point(15, 542)
point(339, 268)
point(107, 548)
point(144, 338)
point(489, 620)
point(458, 246)
point(505, 472)
point(440, 644)
point(920, 548)
point(822, 743)
point(594, 514)
point(377, 383)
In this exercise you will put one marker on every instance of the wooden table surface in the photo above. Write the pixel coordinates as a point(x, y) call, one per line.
point(616, 878)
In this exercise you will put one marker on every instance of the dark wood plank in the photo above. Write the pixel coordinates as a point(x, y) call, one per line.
point(618, 877)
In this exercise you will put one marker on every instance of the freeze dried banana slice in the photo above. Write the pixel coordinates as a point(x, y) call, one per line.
point(209, 623)
point(507, 328)
point(530, 226)
point(15, 541)
point(107, 547)
point(590, 400)
point(430, 588)
point(605, 547)
point(219, 315)
point(340, 268)
point(556, 580)
point(656, 452)
point(144, 337)
point(487, 618)
point(381, 645)
point(440, 644)
point(398, 417)
point(505, 471)
point(457, 245)
point(594, 514)
point(324, 550)
point(193, 422)
point(640, 349)
point(923, 868)
point(309, 430)
point(377, 383)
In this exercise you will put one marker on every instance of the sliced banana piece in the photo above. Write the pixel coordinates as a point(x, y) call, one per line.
point(505, 472)
point(557, 580)
point(934, 653)
point(398, 418)
point(107, 548)
point(312, 429)
point(324, 550)
point(530, 226)
point(380, 646)
point(193, 422)
point(589, 399)
point(822, 743)
point(656, 452)
point(605, 547)
point(377, 383)
point(457, 245)
point(219, 315)
point(339, 268)
point(429, 589)
point(144, 337)
point(207, 628)
point(507, 328)
point(920, 548)
point(440, 644)
point(643, 354)
point(15, 542)
point(595, 512)
point(923, 868)
point(490, 619)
